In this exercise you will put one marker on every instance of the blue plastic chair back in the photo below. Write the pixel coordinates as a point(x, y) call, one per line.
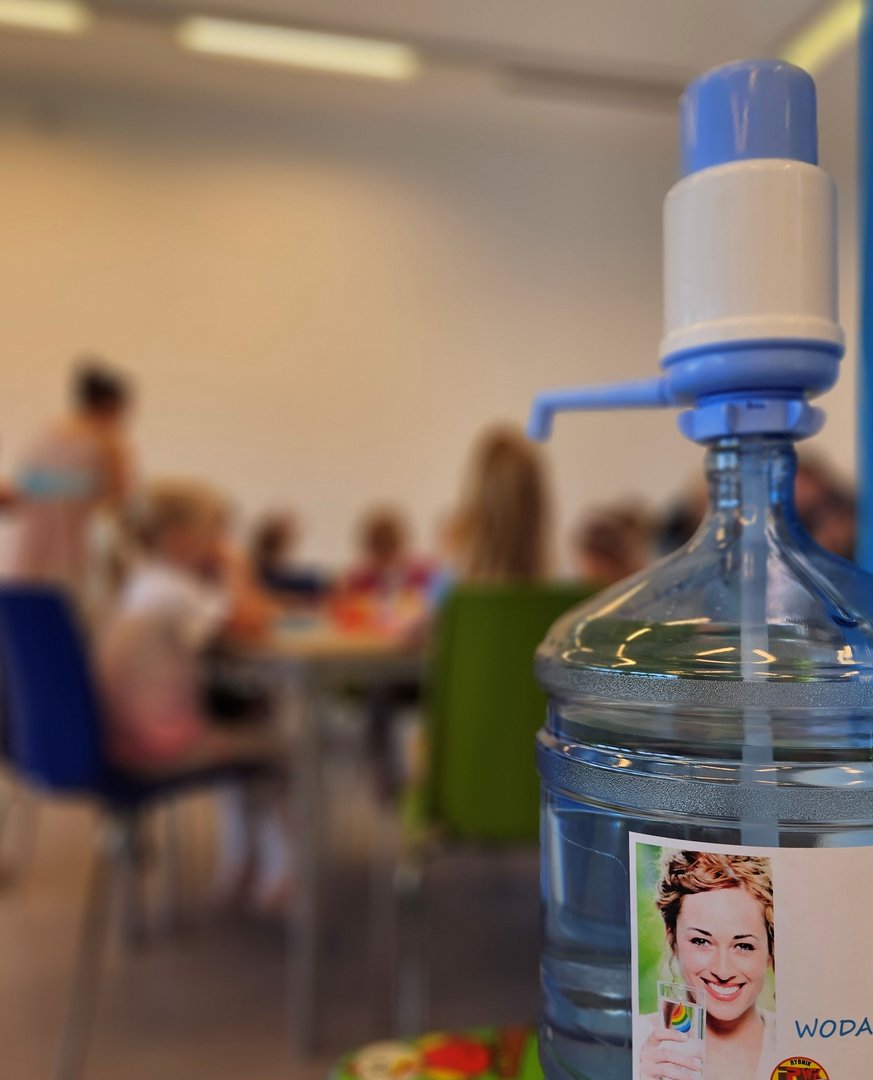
point(52, 715)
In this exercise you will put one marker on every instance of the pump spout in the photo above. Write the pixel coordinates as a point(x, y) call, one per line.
point(637, 394)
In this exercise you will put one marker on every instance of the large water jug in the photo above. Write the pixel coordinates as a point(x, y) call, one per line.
point(707, 815)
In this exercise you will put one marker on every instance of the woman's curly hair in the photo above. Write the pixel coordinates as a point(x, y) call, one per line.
point(684, 873)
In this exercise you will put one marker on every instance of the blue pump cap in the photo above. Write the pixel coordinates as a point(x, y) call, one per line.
point(749, 109)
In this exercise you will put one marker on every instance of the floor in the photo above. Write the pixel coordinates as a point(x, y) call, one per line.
point(212, 1000)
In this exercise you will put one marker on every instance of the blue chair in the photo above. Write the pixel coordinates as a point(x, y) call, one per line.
point(54, 742)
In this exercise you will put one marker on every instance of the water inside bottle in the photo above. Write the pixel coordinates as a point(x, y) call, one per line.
point(655, 780)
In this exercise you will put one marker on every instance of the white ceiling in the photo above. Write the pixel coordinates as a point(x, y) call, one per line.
point(685, 35)
point(626, 51)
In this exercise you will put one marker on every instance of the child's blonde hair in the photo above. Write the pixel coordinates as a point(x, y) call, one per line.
point(171, 503)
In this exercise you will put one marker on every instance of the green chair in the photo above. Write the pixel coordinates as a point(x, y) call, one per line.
point(481, 786)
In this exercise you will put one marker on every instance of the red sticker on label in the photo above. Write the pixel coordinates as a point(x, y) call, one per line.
point(799, 1068)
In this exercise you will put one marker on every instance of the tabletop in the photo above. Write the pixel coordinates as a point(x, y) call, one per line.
point(323, 647)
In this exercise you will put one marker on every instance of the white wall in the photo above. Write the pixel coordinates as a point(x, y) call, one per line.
point(324, 311)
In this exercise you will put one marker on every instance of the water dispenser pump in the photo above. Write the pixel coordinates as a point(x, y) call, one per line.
point(750, 271)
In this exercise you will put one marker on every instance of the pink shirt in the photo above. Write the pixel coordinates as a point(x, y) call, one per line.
point(150, 663)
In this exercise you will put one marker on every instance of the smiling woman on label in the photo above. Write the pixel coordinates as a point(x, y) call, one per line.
point(718, 921)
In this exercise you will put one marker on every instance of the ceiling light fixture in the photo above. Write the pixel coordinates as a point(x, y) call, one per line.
point(316, 51)
point(827, 35)
point(55, 16)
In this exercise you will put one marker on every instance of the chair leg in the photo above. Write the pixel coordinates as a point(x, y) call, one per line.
point(409, 948)
point(17, 803)
point(8, 798)
point(85, 983)
point(132, 859)
point(307, 926)
point(382, 932)
point(175, 914)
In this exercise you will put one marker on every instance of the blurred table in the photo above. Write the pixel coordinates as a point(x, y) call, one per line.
point(484, 1053)
point(314, 661)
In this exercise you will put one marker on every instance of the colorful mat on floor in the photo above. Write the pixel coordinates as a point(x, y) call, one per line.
point(475, 1054)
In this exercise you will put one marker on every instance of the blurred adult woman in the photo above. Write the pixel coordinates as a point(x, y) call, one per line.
point(80, 463)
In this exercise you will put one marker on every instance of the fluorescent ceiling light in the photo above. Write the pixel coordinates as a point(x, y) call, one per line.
point(298, 48)
point(58, 16)
point(820, 41)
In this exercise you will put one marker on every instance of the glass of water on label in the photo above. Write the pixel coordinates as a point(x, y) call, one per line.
point(681, 1008)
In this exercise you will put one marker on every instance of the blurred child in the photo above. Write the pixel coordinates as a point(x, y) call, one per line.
point(274, 542)
point(826, 506)
point(79, 464)
point(682, 518)
point(610, 545)
point(182, 598)
point(834, 524)
point(386, 565)
point(387, 589)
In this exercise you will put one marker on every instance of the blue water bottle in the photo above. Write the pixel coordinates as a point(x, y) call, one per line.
point(707, 758)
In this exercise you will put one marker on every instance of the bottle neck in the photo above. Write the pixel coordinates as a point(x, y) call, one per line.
point(748, 475)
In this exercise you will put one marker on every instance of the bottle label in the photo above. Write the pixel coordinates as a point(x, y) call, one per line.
point(750, 962)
